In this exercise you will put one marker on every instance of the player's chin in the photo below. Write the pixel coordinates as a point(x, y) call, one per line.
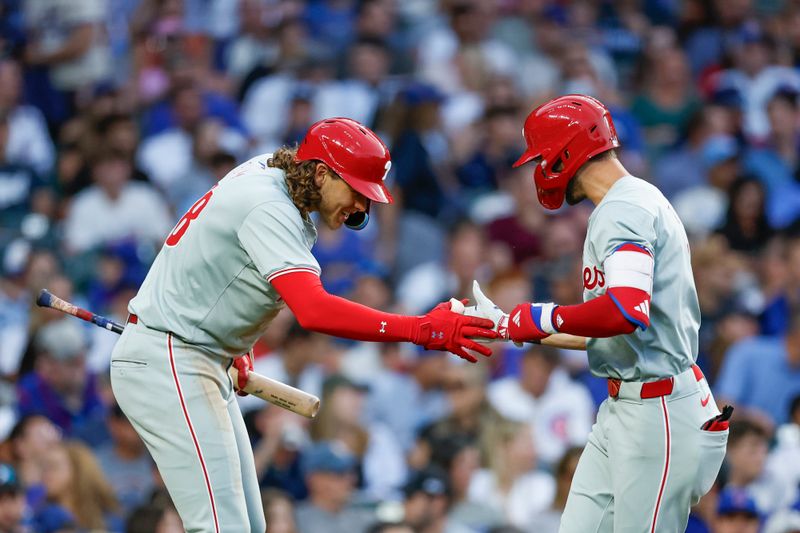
point(333, 222)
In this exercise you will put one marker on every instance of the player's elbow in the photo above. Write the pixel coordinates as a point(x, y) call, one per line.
point(310, 319)
point(627, 327)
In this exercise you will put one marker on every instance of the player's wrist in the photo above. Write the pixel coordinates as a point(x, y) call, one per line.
point(529, 322)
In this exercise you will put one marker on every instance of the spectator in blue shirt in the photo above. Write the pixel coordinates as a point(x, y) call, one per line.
point(60, 387)
point(763, 373)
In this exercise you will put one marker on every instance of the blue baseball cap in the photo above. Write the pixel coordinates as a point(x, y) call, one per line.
point(734, 500)
point(718, 149)
point(328, 456)
point(417, 93)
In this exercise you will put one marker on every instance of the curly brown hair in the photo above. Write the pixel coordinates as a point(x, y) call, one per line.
point(299, 178)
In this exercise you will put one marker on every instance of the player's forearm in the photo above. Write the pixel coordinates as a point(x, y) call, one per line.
point(565, 341)
point(318, 310)
point(597, 318)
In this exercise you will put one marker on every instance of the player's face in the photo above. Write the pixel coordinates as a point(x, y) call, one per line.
point(338, 201)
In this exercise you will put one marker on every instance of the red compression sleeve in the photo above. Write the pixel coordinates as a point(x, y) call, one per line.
point(318, 310)
point(597, 318)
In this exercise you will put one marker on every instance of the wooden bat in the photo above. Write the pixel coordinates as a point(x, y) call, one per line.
point(273, 391)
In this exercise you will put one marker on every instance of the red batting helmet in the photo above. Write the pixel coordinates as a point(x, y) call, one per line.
point(353, 151)
point(569, 130)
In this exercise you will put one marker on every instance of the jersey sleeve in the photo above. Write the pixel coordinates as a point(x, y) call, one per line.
point(624, 241)
point(273, 236)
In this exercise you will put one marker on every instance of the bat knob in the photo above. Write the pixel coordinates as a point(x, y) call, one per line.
point(44, 299)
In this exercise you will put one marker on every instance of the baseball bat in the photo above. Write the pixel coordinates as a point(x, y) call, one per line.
point(267, 389)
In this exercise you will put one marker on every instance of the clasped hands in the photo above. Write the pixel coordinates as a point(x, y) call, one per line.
point(527, 322)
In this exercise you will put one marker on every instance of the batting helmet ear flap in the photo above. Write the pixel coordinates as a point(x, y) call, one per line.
point(359, 219)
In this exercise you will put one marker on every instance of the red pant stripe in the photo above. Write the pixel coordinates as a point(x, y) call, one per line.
point(666, 463)
point(191, 430)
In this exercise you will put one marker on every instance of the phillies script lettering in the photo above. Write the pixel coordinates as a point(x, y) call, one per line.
point(593, 278)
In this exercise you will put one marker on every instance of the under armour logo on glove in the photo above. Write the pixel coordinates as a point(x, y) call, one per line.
point(442, 329)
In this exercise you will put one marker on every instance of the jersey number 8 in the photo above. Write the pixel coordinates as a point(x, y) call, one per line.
point(183, 224)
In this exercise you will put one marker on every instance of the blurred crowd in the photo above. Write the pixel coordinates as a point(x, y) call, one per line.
point(115, 115)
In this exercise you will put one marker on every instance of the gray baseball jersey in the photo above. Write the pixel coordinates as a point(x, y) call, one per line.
point(647, 460)
point(634, 211)
point(209, 283)
point(208, 296)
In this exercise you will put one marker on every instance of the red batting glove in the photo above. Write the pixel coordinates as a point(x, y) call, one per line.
point(442, 329)
point(243, 365)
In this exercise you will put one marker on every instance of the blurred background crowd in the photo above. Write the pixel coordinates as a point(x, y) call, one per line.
point(115, 115)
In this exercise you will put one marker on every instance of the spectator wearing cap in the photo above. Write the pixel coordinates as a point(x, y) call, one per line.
point(341, 418)
point(427, 503)
point(60, 387)
point(736, 512)
point(126, 462)
point(763, 373)
point(330, 472)
point(559, 410)
point(12, 502)
point(419, 149)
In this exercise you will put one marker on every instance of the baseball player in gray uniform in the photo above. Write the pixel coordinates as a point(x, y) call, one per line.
point(241, 253)
point(659, 439)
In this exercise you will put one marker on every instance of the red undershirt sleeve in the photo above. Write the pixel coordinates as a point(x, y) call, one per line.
point(318, 310)
point(597, 318)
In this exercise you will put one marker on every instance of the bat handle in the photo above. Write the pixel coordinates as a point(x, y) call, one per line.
point(110, 325)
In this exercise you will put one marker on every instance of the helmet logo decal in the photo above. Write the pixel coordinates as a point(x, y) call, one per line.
point(386, 169)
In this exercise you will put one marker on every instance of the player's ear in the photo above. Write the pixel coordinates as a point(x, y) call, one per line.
point(320, 174)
